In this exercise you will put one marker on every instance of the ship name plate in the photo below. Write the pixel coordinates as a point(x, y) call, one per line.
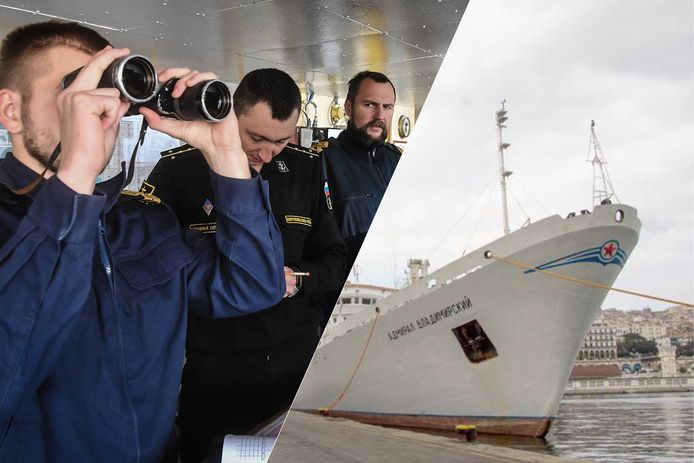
point(430, 319)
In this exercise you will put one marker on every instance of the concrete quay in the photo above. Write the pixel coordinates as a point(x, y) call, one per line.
point(308, 438)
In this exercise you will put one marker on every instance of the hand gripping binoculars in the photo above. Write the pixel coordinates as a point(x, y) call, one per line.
point(136, 79)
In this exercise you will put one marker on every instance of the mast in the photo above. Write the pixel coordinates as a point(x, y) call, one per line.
point(503, 173)
point(602, 185)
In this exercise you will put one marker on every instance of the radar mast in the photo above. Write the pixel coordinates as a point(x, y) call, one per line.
point(503, 173)
point(603, 192)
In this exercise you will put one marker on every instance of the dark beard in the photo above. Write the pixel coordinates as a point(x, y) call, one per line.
point(363, 136)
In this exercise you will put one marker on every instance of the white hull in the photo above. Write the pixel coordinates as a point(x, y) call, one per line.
point(415, 372)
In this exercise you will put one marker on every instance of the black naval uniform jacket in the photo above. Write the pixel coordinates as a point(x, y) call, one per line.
point(358, 175)
point(312, 243)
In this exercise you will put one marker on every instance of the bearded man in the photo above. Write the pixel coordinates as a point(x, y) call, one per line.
point(359, 163)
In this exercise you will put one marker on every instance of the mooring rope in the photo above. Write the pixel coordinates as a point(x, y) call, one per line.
point(342, 393)
point(508, 260)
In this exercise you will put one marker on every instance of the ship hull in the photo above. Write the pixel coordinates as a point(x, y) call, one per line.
point(527, 427)
point(481, 341)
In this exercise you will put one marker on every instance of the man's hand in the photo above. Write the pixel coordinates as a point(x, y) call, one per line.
point(290, 280)
point(219, 141)
point(89, 119)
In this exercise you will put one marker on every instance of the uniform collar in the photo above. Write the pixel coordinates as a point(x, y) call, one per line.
point(112, 188)
point(16, 175)
point(269, 167)
point(272, 165)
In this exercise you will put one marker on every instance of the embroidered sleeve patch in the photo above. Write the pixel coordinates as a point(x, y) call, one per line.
point(298, 220)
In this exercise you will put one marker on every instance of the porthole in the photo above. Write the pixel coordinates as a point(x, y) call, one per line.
point(619, 215)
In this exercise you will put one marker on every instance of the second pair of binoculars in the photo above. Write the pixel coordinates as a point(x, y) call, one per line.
point(136, 79)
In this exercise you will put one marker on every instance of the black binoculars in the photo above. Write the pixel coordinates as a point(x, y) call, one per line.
point(136, 79)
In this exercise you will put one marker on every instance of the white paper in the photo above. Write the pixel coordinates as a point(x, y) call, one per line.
point(247, 449)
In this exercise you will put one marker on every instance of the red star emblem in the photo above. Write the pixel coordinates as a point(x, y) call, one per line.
point(608, 250)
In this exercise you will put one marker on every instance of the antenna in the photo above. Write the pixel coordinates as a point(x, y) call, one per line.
point(602, 185)
point(503, 173)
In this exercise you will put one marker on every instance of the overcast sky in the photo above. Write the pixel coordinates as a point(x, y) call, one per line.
point(626, 64)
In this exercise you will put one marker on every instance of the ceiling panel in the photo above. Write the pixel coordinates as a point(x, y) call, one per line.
point(321, 43)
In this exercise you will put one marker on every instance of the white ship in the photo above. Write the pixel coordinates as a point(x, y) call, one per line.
point(484, 340)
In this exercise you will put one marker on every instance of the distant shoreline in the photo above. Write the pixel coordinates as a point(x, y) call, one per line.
point(629, 385)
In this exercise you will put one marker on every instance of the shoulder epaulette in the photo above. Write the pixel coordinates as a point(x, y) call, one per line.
point(147, 188)
point(309, 152)
point(320, 146)
point(394, 148)
point(173, 152)
point(142, 196)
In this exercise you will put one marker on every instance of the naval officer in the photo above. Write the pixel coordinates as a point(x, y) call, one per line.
point(240, 372)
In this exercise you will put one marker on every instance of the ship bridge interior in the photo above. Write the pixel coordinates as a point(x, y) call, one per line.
point(320, 43)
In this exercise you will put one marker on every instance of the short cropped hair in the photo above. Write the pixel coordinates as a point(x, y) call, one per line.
point(355, 82)
point(271, 86)
point(22, 46)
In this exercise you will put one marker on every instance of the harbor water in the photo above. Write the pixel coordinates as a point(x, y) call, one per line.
point(610, 428)
point(626, 428)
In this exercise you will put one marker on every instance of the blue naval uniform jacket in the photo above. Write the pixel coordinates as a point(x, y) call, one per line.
point(358, 176)
point(95, 292)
